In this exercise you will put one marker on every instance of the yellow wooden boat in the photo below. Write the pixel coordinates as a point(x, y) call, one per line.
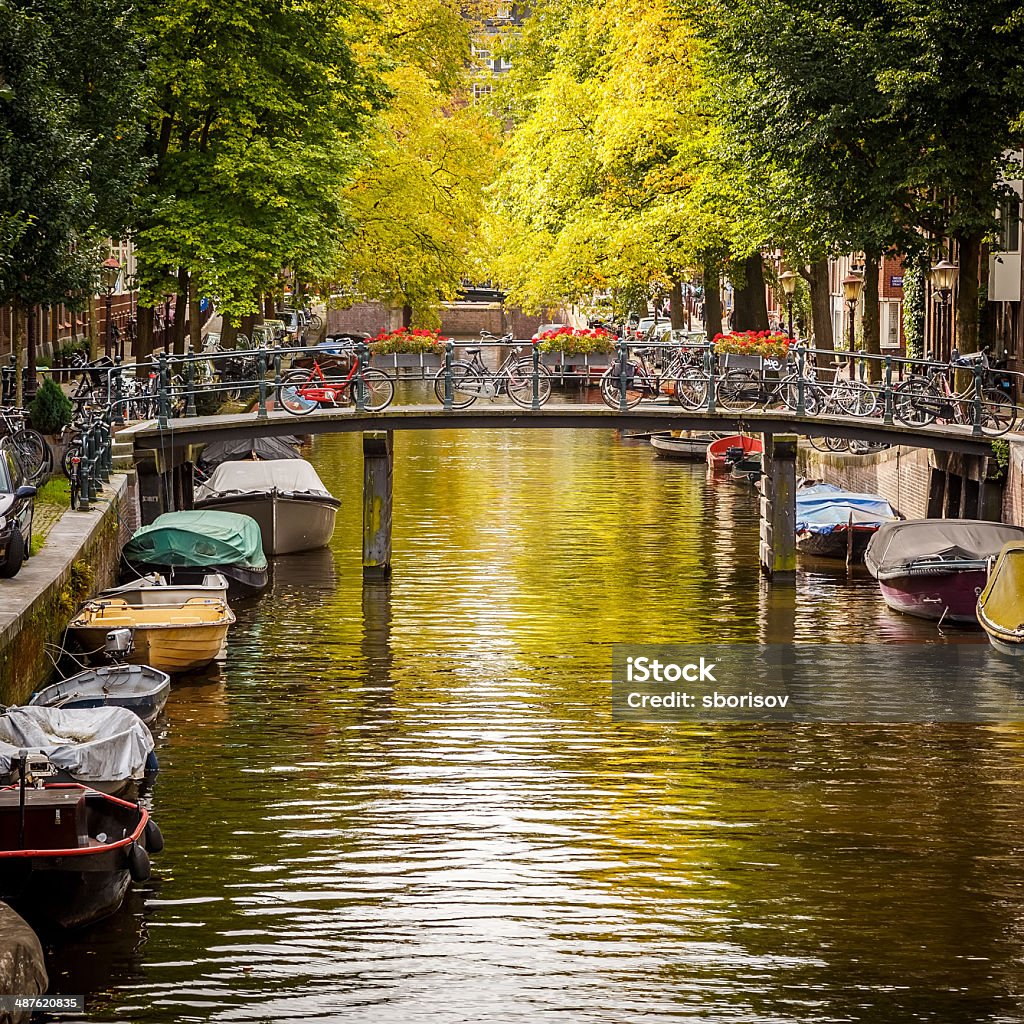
point(1001, 604)
point(175, 637)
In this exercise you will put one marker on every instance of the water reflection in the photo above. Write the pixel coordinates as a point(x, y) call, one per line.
point(408, 801)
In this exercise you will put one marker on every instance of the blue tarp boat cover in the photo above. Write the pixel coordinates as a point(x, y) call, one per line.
point(824, 508)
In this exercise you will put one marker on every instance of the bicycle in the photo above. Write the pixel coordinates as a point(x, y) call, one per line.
point(644, 379)
point(31, 447)
point(302, 391)
point(926, 397)
point(514, 377)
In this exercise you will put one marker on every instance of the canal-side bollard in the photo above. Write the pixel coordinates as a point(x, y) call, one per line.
point(778, 508)
point(378, 466)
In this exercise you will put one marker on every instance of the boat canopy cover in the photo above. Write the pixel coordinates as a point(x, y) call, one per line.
point(287, 476)
point(823, 508)
point(896, 547)
point(92, 745)
point(198, 538)
point(1002, 602)
point(248, 448)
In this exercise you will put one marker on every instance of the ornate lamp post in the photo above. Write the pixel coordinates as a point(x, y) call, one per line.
point(943, 278)
point(853, 285)
point(110, 273)
point(788, 281)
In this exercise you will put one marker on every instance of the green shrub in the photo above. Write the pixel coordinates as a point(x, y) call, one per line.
point(51, 410)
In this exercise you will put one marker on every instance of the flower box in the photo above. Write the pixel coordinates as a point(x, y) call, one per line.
point(735, 361)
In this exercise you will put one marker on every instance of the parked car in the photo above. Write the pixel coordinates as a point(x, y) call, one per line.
point(653, 326)
point(17, 507)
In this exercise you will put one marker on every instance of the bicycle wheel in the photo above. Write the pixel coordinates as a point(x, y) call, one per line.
point(379, 389)
point(692, 389)
point(836, 444)
point(916, 402)
point(520, 383)
point(33, 454)
point(998, 413)
point(739, 390)
point(289, 395)
point(789, 392)
point(315, 322)
point(854, 398)
point(73, 451)
point(466, 383)
point(637, 385)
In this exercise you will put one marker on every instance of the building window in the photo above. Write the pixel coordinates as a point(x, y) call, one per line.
point(480, 91)
point(482, 56)
point(1008, 225)
point(890, 326)
point(503, 12)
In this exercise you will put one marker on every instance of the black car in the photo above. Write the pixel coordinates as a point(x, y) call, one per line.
point(17, 506)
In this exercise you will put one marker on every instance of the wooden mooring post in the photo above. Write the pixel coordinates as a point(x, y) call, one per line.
point(778, 508)
point(378, 467)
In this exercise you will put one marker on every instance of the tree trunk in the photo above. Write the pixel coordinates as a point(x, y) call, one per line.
point(969, 251)
point(18, 342)
point(751, 303)
point(269, 306)
point(677, 312)
point(872, 320)
point(195, 319)
point(93, 335)
point(228, 331)
point(31, 383)
point(144, 334)
point(712, 301)
point(407, 315)
point(821, 309)
point(180, 307)
point(248, 321)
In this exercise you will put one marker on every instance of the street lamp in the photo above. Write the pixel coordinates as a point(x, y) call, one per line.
point(110, 272)
point(853, 285)
point(788, 281)
point(943, 278)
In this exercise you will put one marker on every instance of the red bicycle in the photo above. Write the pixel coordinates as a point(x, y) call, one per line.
point(302, 391)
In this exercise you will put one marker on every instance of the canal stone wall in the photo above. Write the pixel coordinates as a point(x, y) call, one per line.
point(80, 557)
point(918, 482)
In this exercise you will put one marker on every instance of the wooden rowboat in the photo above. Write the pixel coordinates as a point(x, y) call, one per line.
point(1001, 604)
point(171, 638)
point(138, 688)
point(691, 447)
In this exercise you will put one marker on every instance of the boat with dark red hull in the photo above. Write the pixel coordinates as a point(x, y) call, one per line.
point(68, 853)
point(936, 568)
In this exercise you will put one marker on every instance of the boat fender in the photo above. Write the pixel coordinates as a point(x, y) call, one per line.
point(153, 837)
point(152, 764)
point(138, 863)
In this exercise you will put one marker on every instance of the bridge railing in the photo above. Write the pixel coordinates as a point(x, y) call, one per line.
point(813, 383)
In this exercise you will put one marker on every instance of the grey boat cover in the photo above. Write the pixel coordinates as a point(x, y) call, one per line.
point(90, 744)
point(286, 476)
point(248, 448)
point(897, 547)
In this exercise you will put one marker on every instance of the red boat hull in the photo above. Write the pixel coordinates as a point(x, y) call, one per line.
point(952, 597)
point(718, 448)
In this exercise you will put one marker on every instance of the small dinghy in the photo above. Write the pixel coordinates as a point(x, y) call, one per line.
point(108, 749)
point(833, 523)
point(718, 450)
point(138, 688)
point(67, 852)
point(691, 447)
point(154, 589)
point(1001, 604)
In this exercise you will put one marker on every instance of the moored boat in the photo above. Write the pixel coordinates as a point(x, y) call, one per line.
point(1001, 604)
point(293, 508)
point(186, 546)
point(936, 568)
point(69, 853)
point(747, 468)
point(155, 589)
point(689, 446)
point(109, 749)
point(141, 689)
point(833, 523)
point(718, 450)
point(175, 637)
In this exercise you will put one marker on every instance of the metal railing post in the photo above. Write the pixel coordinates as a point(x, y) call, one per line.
point(536, 377)
point(976, 404)
point(84, 490)
point(277, 374)
point(163, 398)
point(887, 418)
point(190, 384)
point(362, 354)
point(117, 393)
point(709, 369)
point(623, 361)
point(261, 374)
point(801, 409)
point(449, 384)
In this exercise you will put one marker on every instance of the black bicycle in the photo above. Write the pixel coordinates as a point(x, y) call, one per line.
point(474, 379)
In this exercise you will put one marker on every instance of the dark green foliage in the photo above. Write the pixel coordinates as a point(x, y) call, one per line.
point(51, 410)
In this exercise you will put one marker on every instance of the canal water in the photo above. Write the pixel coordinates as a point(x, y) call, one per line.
point(408, 802)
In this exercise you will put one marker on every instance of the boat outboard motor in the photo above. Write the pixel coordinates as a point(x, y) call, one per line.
point(735, 454)
point(118, 644)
